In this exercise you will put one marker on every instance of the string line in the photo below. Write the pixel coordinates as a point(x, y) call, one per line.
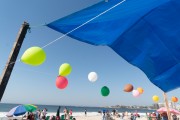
point(76, 27)
point(84, 23)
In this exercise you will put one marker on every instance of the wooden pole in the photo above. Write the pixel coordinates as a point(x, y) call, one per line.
point(167, 106)
point(174, 105)
point(12, 58)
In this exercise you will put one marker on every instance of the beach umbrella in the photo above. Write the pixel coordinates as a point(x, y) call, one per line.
point(21, 109)
point(164, 109)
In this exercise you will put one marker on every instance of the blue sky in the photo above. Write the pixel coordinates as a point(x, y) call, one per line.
point(36, 85)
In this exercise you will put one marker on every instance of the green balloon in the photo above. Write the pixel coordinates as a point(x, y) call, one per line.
point(65, 69)
point(34, 56)
point(105, 91)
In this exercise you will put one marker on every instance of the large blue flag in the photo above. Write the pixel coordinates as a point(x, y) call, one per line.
point(146, 33)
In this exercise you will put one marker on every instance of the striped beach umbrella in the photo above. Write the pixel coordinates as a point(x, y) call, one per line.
point(21, 109)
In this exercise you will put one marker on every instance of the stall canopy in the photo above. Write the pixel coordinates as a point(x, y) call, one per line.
point(146, 33)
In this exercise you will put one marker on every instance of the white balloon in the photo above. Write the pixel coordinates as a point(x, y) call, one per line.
point(92, 76)
point(135, 93)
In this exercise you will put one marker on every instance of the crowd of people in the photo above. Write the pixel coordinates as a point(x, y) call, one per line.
point(39, 115)
point(106, 115)
point(67, 114)
point(42, 115)
point(162, 116)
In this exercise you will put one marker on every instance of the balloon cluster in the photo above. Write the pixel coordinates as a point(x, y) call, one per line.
point(64, 70)
point(135, 93)
point(36, 56)
point(155, 98)
point(92, 77)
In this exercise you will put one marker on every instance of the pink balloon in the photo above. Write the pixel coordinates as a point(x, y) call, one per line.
point(61, 82)
point(135, 93)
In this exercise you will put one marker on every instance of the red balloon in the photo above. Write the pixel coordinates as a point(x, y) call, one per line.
point(61, 82)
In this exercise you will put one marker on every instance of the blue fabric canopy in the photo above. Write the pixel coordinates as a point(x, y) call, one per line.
point(146, 33)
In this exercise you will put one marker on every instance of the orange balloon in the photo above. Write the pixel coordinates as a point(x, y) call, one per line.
point(140, 90)
point(128, 88)
point(174, 99)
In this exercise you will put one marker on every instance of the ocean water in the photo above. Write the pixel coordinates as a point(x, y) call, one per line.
point(4, 107)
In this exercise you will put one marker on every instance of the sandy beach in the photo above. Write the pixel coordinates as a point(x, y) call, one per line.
point(77, 116)
point(80, 116)
point(99, 117)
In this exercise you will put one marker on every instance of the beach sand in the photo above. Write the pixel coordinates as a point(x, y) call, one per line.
point(99, 117)
point(80, 116)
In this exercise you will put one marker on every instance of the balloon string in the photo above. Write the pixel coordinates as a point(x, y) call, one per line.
point(32, 70)
point(38, 25)
point(74, 28)
point(84, 24)
point(29, 31)
point(35, 71)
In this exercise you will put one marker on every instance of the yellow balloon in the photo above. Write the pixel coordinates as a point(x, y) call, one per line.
point(65, 69)
point(34, 56)
point(155, 98)
point(140, 90)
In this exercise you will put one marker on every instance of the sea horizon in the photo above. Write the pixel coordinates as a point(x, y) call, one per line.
point(5, 107)
point(111, 106)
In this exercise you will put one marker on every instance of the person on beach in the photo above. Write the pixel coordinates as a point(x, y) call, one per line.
point(108, 116)
point(58, 113)
point(164, 116)
point(28, 116)
point(153, 116)
point(38, 113)
point(114, 111)
point(65, 113)
point(85, 112)
point(158, 116)
point(132, 116)
point(126, 117)
point(52, 117)
point(174, 117)
point(70, 112)
point(148, 116)
point(68, 115)
point(43, 114)
point(122, 115)
point(104, 115)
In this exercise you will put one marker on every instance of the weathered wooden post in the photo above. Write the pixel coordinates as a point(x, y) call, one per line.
point(12, 58)
point(167, 105)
